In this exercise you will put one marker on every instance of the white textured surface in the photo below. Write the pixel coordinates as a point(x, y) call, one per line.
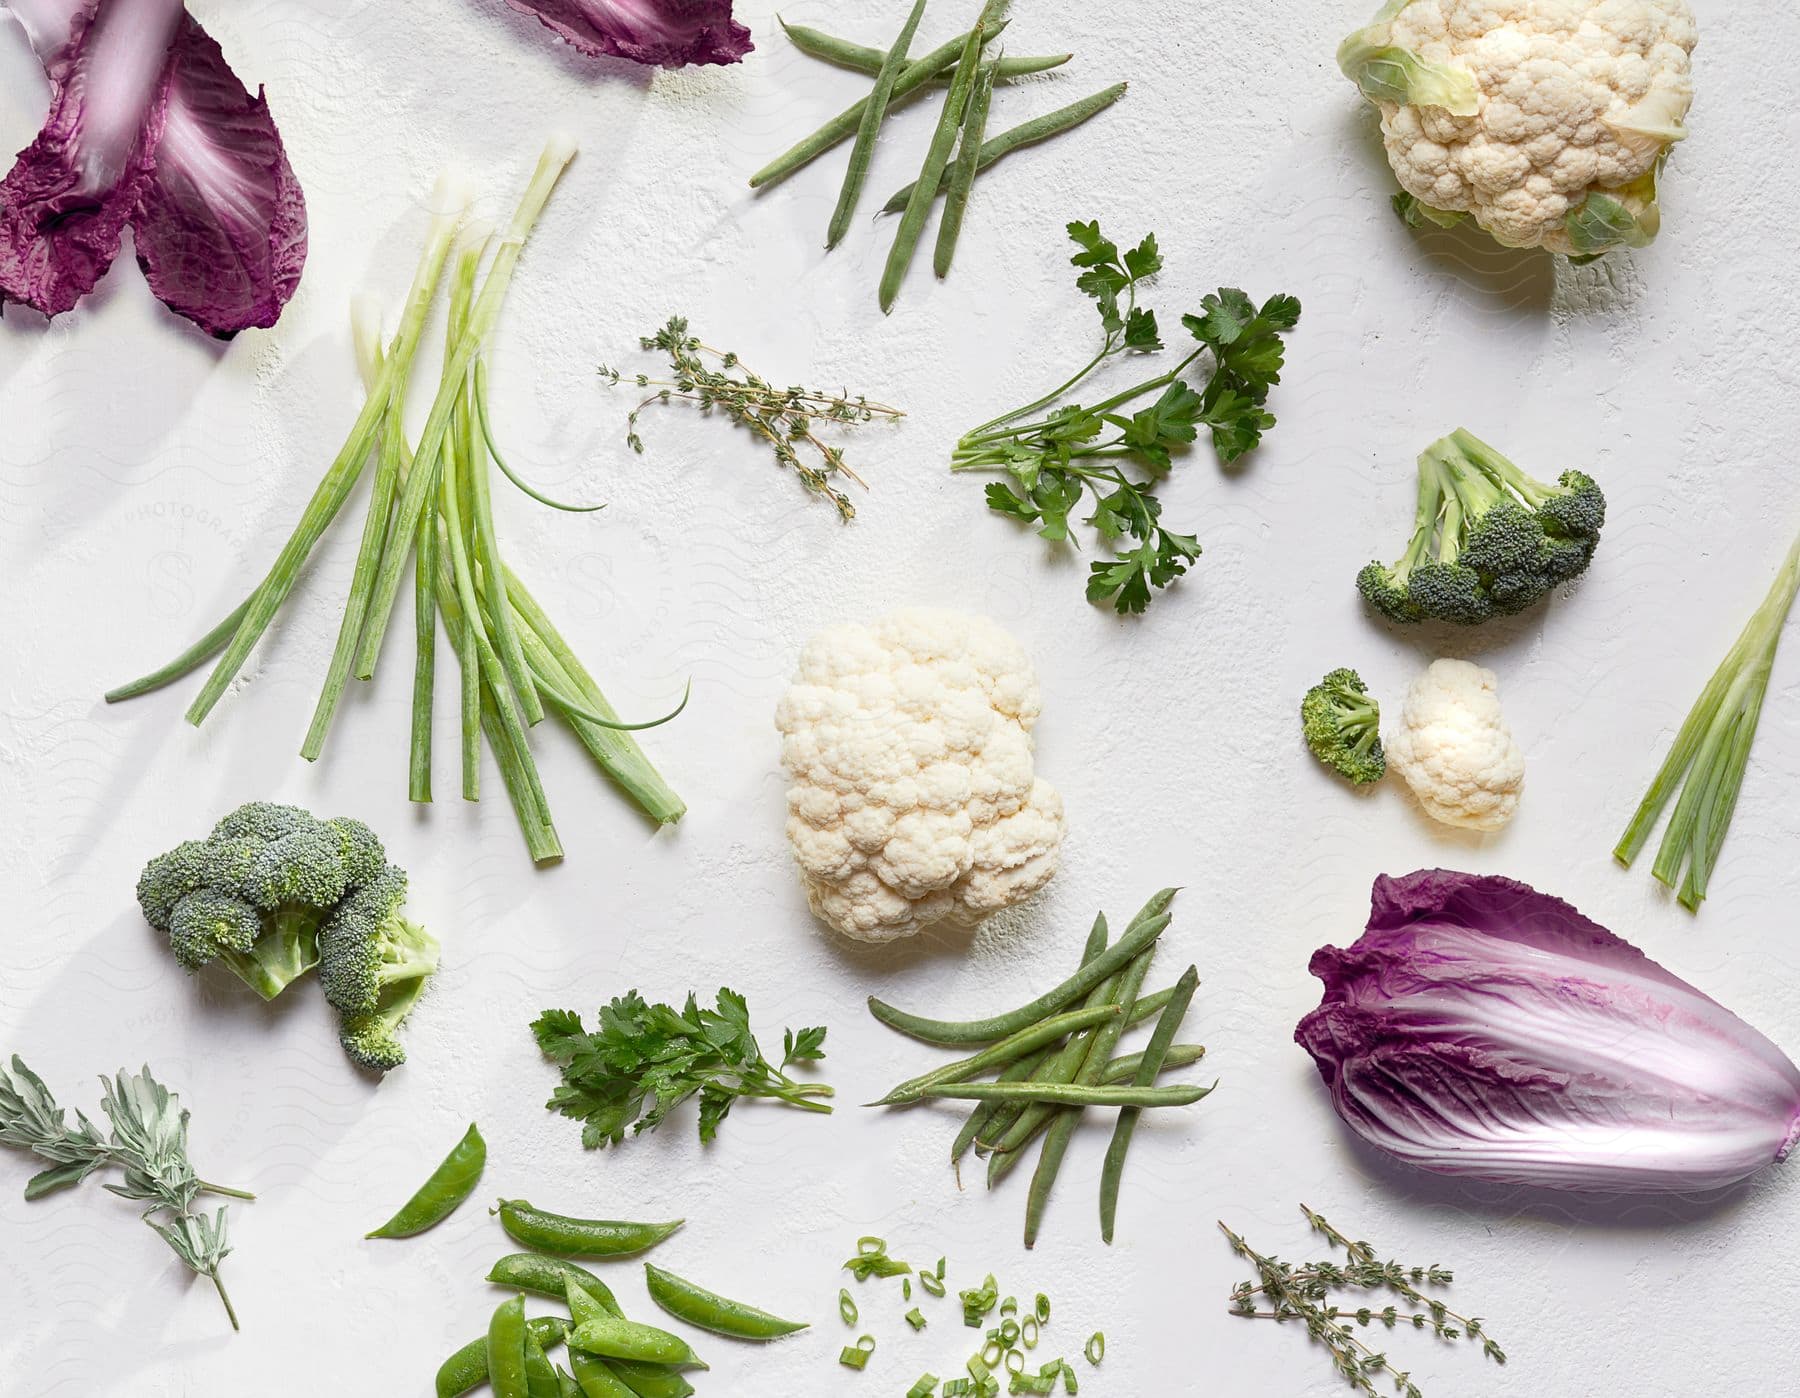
point(145, 474)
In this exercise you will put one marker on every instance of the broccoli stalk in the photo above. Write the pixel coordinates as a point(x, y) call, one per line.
point(1711, 752)
point(1488, 540)
point(1342, 724)
point(287, 949)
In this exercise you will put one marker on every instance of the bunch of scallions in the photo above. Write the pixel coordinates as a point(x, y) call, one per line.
point(431, 515)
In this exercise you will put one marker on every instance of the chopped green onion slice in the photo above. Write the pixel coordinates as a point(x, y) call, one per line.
point(934, 1285)
point(1042, 1308)
point(906, 1288)
point(1011, 1367)
point(1010, 1306)
point(1028, 1332)
point(940, 1268)
point(916, 1318)
point(1096, 1347)
point(856, 1356)
point(993, 1354)
point(924, 1388)
point(847, 1306)
point(871, 1247)
point(1009, 1333)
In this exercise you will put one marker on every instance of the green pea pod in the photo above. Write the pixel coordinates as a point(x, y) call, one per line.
point(708, 1311)
point(506, 1350)
point(651, 1380)
point(452, 1182)
point(467, 1369)
point(613, 1337)
point(540, 1373)
point(549, 1276)
point(578, 1237)
point(596, 1379)
point(570, 1387)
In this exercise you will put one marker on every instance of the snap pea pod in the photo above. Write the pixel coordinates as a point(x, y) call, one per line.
point(570, 1388)
point(937, 154)
point(1071, 1094)
point(869, 127)
point(506, 1350)
point(540, 1374)
point(614, 1337)
point(596, 1379)
point(453, 1181)
point(1039, 128)
point(1145, 928)
point(706, 1310)
point(1102, 1042)
point(468, 1368)
point(1154, 1056)
point(1045, 1031)
point(643, 1380)
point(578, 1237)
point(651, 1380)
point(549, 1276)
point(861, 58)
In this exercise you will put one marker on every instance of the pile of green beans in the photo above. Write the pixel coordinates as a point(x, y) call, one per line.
point(962, 68)
point(609, 1355)
point(1056, 1057)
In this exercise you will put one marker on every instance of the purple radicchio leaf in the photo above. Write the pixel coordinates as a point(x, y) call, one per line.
point(220, 227)
point(1483, 1029)
point(672, 33)
point(65, 202)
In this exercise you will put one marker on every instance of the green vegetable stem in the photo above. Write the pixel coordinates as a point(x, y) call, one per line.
point(453, 1181)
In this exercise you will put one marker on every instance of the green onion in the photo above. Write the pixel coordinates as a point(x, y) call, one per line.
point(1096, 1347)
point(847, 1306)
point(1042, 1309)
point(856, 1356)
point(924, 1388)
point(978, 1301)
point(1029, 1332)
point(933, 1285)
point(916, 1318)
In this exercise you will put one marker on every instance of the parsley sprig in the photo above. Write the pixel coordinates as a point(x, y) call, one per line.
point(1285, 1292)
point(1117, 454)
point(643, 1060)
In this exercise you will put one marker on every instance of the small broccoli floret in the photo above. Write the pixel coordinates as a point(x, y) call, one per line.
point(1488, 540)
point(359, 848)
point(254, 893)
point(1342, 724)
point(370, 1039)
point(367, 946)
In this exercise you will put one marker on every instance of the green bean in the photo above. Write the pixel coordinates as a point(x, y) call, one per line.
point(844, 124)
point(1070, 1094)
point(506, 1350)
point(1101, 1043)
point(861, 58)
point(1045, 1031)
point(468, 1368)
point(595, 1379)
point(614, 1337)
point(453, 1181)
point(937, 154)
point(1026, 133)
point(1161, 1039)
point(1179, 1056)
point(578, 1237)
point(707, 1310)
point(1145, 928)
point(540, 1374)
point(869, 127)
point(550, 1276)
point(962, 174)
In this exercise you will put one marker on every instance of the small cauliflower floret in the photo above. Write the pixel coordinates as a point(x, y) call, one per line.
point(1453, 749)
point(1547, 121)
point(913, 797)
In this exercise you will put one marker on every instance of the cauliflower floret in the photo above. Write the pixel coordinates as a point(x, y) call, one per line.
point(1454, 750)
point(912, 796)
point(1515, 111)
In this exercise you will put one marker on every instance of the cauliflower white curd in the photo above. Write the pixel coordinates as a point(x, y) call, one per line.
point(912, 796)
point(1547, 121)
point(1454, 749)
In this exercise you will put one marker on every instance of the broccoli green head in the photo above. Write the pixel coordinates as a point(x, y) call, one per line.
point(1488, 540)
point(368, 946)
point(371, 1039)
point(1342, 726)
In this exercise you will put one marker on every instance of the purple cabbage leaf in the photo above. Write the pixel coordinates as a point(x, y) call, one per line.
point(672, 33)
point(149, 126)
point(1483, 1029)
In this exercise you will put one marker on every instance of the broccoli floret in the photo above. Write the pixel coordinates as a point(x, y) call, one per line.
point(367, 946)
point(370, 1039)
point(360, 848)
point(254, 893)
point(1488, 540)
point(1342, 724)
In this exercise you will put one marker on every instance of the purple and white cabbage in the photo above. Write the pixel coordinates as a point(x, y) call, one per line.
point(1483, 1029)
point(148, 126)
point(672, 33)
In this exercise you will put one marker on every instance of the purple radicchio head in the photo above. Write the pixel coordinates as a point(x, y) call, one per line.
point(672, 33)
point(1481, 1028)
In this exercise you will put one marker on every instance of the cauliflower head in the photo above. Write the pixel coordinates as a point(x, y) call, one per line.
point(912, 796)
point(1454, 750)
point(1547, 121)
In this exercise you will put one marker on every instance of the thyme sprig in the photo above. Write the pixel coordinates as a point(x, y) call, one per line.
point(1284, 1292)
point(785, 418)
point(148, 1143)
